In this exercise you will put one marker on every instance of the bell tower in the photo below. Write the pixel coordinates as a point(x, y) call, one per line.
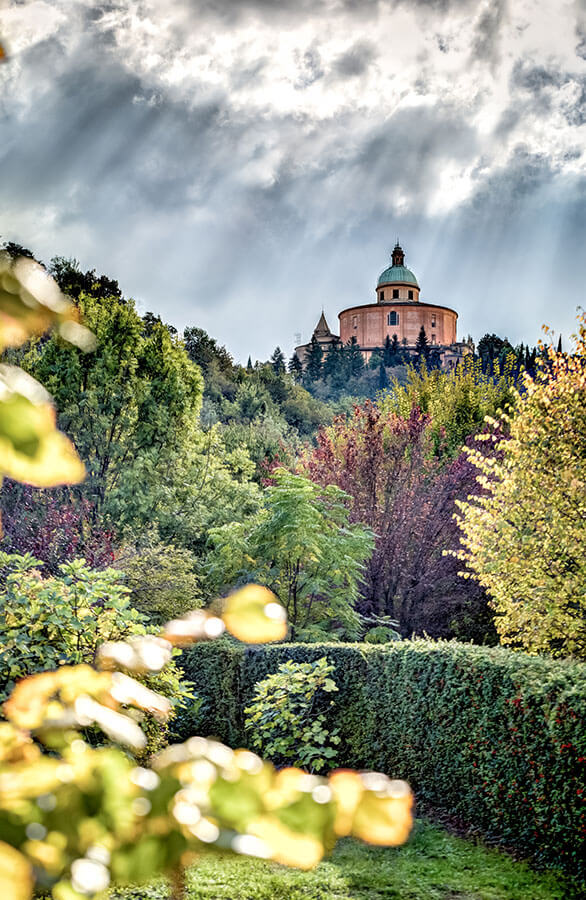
point(398, 255)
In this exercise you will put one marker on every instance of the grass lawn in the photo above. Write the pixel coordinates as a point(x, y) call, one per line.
point(433, 865)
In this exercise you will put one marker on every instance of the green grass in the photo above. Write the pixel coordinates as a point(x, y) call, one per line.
point(433, 865)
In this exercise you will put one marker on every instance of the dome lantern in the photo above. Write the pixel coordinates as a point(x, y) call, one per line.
point(397, 272)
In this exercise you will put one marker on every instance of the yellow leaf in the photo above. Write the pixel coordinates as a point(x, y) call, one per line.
point(290, 848)
point(254, 616)
point(31, 302)
point(385, 817)
point(16, 877)
point(31, 448)
point(347, 788)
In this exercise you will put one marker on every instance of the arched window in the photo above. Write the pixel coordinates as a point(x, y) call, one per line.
point(381, 296)
point(393, 318)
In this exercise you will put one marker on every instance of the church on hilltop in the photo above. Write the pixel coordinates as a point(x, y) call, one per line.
point(399, 312)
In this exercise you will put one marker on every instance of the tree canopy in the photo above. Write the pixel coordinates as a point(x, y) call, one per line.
point(302, 546)
point(524, 538)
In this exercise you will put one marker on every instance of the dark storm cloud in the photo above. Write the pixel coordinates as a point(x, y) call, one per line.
point(355, 60)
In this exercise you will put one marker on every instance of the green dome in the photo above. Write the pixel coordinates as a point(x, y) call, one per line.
point(397, 273)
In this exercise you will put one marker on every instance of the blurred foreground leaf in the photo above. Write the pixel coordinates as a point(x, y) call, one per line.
point(253, 615)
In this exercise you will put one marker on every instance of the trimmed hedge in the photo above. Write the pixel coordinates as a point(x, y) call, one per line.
point(494, 736)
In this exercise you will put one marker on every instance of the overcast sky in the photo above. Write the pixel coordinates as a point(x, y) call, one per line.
point(238, 165)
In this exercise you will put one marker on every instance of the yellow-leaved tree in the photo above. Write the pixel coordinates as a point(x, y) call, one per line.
point(524, 538)
point(76, 818)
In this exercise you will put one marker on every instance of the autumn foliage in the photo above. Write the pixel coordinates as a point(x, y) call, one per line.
point(406, 495)
point(524, 537)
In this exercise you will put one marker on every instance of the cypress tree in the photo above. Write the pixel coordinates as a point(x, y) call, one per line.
point(388, 351)
point(383, 379)
point(333, 362)
point(395, 351)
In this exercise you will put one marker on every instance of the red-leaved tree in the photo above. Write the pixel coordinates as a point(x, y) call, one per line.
point(55, 526)
point(407, 496)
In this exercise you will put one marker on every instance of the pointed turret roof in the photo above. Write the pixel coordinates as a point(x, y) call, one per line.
point(322, 329)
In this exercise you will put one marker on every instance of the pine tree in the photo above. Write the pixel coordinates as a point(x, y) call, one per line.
point(559, 350)
point(295, 366)
point(249, 364)
point(278, 361)
point(376, 359)
point(422, 345)
point(332, 361)
point(355, 357)
point(313, 365)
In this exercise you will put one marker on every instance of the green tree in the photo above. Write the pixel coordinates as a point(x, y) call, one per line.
point(162, 579)
point(422, 345)
point(392, 351)
point(74, 282)
point(355, 357)
point(295, 367)
point(278, 361)
point(302, 546)
point(134, 394)
point(383, 378)
point(524, 537)
point(313, 360)
point(457, 400)
point(204, 351)
point(180, 494)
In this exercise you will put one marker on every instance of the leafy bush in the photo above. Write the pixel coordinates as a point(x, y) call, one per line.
point(287, 719)
point(381, 634)
point(49, 622)
point(162, 579)
point(524, 538)
point(456, 400)
point(494, 736)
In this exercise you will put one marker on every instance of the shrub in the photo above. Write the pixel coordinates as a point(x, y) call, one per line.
point(54, 526)
point(286, 720)
point(49, 622)
point(162, 579)
point(494, 736)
